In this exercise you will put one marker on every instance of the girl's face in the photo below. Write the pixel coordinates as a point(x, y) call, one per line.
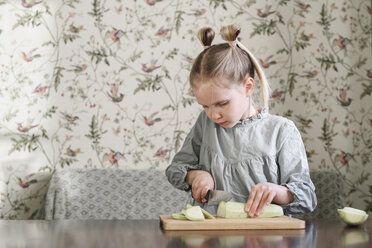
point(225, 106)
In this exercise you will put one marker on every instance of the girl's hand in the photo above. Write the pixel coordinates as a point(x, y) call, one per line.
point(200, 181)
point(263, 194)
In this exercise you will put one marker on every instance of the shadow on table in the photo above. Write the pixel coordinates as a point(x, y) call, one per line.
point(244, 238)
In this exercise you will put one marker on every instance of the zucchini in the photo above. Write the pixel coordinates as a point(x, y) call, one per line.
point(236, 210)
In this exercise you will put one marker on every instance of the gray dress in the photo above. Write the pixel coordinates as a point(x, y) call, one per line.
point(263, 148)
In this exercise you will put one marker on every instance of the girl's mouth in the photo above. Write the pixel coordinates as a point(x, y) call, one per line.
point(222, 123)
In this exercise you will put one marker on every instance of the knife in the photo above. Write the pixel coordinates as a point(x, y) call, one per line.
point(214, 197)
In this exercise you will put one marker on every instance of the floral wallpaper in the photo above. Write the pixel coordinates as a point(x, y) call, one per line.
point(100, 84)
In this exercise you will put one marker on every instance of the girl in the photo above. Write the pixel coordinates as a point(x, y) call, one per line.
point(258, 157)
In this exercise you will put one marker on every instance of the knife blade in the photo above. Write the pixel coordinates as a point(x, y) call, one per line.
point(214, 197)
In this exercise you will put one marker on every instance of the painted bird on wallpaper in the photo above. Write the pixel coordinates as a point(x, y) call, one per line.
point(28, 57)
point(30, 3)
point(119, 9)
point(265, 12)
point(306, 37)
point(24, 128)
point(151, 120)
point(310, 153)
point(369, 9)
point(197, 12)
point(162, 32)
point(113, 157)
point(118, 98)
point(40, 90)
point(75, 29)
point(78, 68)
point(151, 67)
point(266, 63)
point(369, 73)
point(71, 152)
point(302, 6)
point(343, 18)
point(114, 34)
point(27, 181)
point(114, 92)
point(345, 101)
point(161, 153)
point(303, 121)
point(342, 43)
point(151, 2)
point(344, 158)
point(309, 74)
point(277, 94)
point(69, 118)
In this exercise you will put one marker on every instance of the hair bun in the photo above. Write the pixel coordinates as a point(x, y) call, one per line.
point(206, 36)
point(230, 32)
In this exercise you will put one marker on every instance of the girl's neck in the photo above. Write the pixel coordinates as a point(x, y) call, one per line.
point(250, 112)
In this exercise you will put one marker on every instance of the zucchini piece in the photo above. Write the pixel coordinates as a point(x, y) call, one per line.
point(194, 213)
point(179, 216)
point(221, 210)
point(352, 216)
point(207, 215)
point(205, 212)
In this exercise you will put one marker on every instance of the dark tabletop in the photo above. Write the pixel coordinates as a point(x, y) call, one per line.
point(148, 233)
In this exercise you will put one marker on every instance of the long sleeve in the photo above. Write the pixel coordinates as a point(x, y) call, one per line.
point(187, 158)
point(294, 173)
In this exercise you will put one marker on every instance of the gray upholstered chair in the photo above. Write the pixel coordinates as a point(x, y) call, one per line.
point(146, 194)
point(329, 189)
point(111, 194)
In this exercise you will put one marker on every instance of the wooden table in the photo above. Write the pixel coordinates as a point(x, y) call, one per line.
point(147, 233)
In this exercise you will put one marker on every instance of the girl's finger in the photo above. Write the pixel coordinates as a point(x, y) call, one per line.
point(255, 203)
point(262, 203)
point(250, 200)
point(270, 197)
point(196, 193)
point(203, 194)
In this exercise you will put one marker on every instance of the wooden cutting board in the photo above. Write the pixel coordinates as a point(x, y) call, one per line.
point(282, 222)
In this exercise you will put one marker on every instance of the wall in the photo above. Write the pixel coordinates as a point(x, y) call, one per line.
point(104, 84)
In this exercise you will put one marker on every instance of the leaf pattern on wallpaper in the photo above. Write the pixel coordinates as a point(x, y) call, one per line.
point(100, 84)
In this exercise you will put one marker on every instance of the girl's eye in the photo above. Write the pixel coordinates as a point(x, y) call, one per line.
point(222, 103)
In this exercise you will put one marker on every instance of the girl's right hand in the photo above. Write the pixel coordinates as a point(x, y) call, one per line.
point(200, 181)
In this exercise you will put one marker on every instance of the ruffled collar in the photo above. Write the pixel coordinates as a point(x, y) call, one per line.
point(261, 113)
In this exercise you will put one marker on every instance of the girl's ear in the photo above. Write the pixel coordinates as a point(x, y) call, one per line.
point(248, 84)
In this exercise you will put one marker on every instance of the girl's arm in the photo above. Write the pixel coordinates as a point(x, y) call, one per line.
point(187, 158)
point(295, 192)
point(294, 172)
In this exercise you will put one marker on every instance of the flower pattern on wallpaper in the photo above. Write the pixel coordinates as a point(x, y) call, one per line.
point(100, 84)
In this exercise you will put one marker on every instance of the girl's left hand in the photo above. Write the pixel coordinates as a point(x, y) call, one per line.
point(261, 194)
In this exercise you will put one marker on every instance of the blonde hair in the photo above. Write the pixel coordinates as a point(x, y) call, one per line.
point(230, 60)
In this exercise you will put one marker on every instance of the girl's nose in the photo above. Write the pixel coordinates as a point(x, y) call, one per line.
point(216, 115)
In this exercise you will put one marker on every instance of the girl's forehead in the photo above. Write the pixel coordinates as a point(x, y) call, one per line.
point(215, 84)
point(207, 93)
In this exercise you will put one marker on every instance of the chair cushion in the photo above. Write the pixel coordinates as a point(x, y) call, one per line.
point(112, 194)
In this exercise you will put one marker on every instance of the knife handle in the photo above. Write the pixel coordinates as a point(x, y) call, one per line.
point(207, 195)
